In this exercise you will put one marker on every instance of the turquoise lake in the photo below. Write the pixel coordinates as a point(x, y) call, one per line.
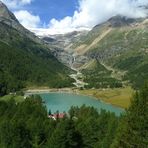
point(63, 101)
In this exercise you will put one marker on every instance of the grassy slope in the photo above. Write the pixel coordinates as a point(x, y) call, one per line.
point(120, 97)
point(126, 51)
point(97, 76)
point(133, 58)
point(121, 49)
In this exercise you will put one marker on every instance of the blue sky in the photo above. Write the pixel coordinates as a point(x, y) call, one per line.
point(48, 9)
point(34, 14)
point(62, 16)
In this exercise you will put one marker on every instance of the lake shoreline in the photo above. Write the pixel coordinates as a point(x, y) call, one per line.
point(70, 97)
point(66, 90)
point(50, 90)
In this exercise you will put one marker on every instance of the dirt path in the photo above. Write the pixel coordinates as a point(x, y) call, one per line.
point(79, 83)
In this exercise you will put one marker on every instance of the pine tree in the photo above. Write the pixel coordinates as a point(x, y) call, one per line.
point(133, 132)
point(65, 136)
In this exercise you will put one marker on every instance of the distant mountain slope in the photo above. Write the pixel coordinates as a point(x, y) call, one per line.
point(62, 45)
point(122, 44)
point(24, 60)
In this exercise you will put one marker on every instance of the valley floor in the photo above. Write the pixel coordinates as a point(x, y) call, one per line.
point(120, 97)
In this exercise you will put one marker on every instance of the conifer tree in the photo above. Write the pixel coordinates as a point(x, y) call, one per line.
point(133, 132)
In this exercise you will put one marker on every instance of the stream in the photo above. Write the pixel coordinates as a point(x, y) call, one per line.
point(78, 76)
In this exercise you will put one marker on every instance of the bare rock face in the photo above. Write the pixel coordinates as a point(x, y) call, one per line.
point(63, 49)
point(5, 13)
point(119, 21)
point(8, 18)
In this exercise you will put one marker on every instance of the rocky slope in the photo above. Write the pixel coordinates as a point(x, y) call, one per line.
point(62, 47)
point(8, 18)
point(120, 43)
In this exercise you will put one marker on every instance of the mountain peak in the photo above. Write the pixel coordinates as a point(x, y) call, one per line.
point(5, 13)
point(8, 18)
point(1, 3)
point(118, 21)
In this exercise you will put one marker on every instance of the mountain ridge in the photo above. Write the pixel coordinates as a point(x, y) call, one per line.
point(25, 60)
point(5, 13)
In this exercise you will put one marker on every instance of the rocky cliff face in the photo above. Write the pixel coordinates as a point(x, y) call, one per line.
point(8, 18)
point(62, 48)
point(5, 13)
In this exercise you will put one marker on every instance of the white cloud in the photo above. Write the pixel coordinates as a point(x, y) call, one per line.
point(92, 12)
point(88, 14)
point(51, 31)
point(13, 4)
point(27, 19)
